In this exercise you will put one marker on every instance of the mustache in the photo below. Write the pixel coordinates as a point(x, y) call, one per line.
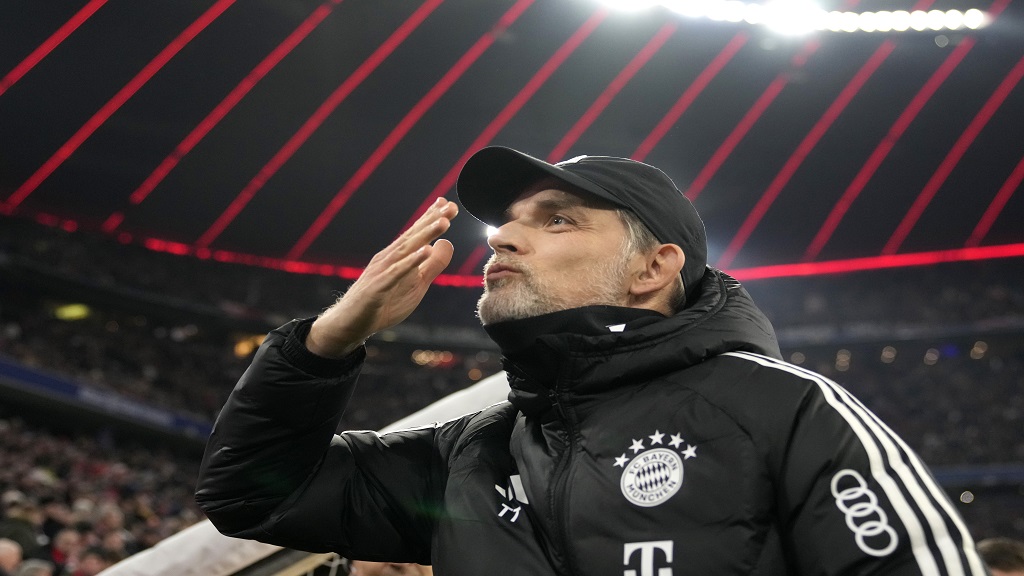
point(506, 262)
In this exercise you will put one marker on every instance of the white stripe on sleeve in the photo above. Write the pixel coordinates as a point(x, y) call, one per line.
point(873, 433)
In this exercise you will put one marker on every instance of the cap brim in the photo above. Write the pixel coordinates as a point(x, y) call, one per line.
point(495, 176)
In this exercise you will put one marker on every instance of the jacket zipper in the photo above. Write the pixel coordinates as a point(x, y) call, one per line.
point(559, 508)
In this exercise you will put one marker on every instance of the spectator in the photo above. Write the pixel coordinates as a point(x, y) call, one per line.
point(94, 560)
point(364, 568)
point(35, 567)
point(1003, 556)
point(10, 556)
point(65, 547)
point(22, 523)
point(114, 543)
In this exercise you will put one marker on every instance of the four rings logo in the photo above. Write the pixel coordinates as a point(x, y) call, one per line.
point(868, 522)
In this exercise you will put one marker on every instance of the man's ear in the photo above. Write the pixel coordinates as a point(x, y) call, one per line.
point(661, 269)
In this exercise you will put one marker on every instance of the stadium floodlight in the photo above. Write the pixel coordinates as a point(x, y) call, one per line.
point(794, 17)
point(936, 19)
point(975, 19)
point(726, 11)
point(754, 14)
point(883, 21)
point(867, 21)
point(797, 17)
point(954, 19)
point(901, 20)
point(629, 5)
point(688, 8)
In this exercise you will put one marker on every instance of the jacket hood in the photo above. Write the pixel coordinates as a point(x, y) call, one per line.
point(591, 349)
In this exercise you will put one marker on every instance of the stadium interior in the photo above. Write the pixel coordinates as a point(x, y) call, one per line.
point(177, 179)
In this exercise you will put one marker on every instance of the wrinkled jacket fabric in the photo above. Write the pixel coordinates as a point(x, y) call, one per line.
point(646, 447)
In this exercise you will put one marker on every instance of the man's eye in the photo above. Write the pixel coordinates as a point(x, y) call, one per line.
point(559, 220)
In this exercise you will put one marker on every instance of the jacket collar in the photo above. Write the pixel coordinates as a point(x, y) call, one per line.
point(574, 353)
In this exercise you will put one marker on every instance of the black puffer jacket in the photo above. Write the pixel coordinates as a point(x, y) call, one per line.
point(632, 445)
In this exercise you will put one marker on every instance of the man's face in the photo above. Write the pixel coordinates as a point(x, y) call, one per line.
point(558, 250)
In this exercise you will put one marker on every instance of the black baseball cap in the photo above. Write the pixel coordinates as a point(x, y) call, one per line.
point(495, 176)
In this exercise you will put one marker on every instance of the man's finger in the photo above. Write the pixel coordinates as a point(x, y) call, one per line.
point(425, 231)
point(403, 268)
point(440, 256)
point(440, 209)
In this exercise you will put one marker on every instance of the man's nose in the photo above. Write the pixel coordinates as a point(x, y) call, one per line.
point(506, 239)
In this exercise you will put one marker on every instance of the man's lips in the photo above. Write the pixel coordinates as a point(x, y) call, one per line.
point(496, 271)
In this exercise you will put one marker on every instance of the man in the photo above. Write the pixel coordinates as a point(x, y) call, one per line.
point(1003, 556)
point(651, 429)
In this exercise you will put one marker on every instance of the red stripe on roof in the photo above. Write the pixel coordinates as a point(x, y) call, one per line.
point(689, 95)
point(803, 149)
point(904, 120)
point(746, 123)
point(957, 152)
point(49, 44)
point(406, 124)
point(231, 100)
point(115, 103)
point(511, 109)
point(617, 84)
point(1010, 186)
point(314, 122)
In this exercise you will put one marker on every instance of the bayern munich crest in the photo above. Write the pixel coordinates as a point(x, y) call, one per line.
point(654, 473)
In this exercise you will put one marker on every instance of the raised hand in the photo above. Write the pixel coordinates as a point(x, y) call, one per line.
point(390, 288)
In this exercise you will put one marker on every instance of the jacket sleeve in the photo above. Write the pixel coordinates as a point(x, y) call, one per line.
point(275, 471)
point(852, 497)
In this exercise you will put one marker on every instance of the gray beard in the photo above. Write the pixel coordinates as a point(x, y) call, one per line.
point(520, 296)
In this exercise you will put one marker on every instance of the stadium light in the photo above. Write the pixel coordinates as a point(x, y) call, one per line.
point(71, 312)
point(794, 17)
point(629, 5)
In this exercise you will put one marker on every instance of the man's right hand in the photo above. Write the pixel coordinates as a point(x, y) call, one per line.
point(390, 288)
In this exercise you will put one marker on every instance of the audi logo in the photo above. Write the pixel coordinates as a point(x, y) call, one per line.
point(863, 516)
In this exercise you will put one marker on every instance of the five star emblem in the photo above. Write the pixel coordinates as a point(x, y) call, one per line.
point(676, 441)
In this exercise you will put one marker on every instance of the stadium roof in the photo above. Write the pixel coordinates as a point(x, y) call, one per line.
point(306, 134)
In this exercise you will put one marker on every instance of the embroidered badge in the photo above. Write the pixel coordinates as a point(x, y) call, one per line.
point(653, 475)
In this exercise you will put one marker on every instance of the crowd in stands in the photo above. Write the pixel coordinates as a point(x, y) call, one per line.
point(959, 403)
point(179, 367)
point(955, 395)
point(77, 504)
point(191, 369)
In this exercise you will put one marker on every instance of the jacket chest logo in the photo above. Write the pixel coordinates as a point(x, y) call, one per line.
point(653, 474)
point(513, 496)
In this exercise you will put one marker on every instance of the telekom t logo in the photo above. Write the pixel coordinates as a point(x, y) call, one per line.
point(647, 557)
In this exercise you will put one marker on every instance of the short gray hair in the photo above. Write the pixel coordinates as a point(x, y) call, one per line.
point(640, 240)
